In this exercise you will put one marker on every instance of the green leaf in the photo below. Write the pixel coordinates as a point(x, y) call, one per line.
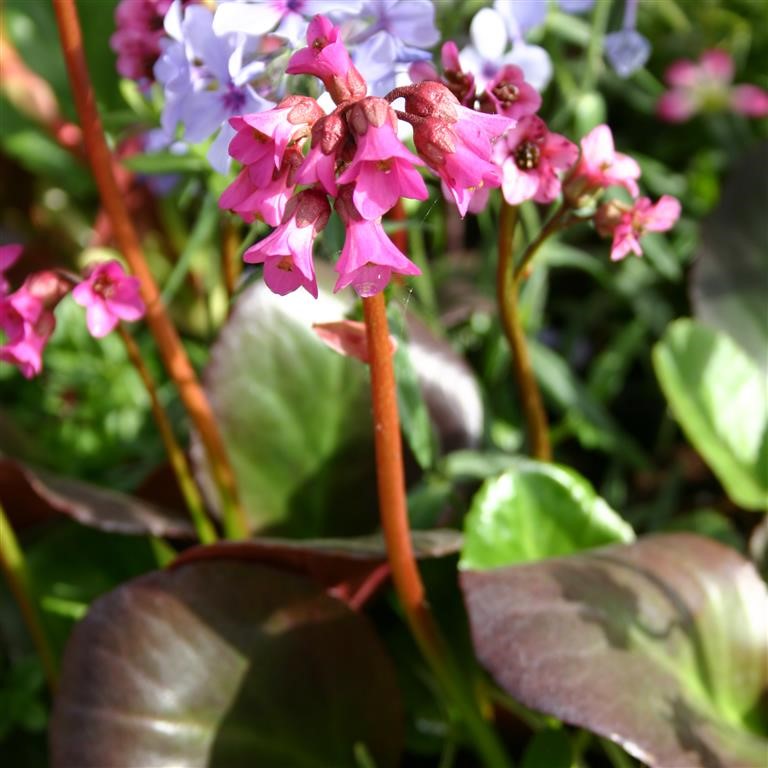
point(728, 280)
point(659, 646)
point(294, 416)
point(718, 395)
point(590, 421)
point(165, 162)
point(548, 749)
point(224, 664)
point(533, 511)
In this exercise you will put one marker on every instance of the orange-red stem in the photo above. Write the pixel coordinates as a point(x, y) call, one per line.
point(171, 349)
point(389, 458)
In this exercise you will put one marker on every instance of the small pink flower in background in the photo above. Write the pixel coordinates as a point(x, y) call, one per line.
point(327, 58)
point(507, 93)
point(601, 166)
point(136, 41)
point(706, 86)
point(382, 168)
point(108, 295)
point(460, 83)
point(530, 157)
point(27, 320)
point(287, 252)
point(628, 224)
point(9, 255)
point(369, 257)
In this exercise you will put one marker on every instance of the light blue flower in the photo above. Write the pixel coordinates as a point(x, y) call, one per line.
point(627, 50)
point(286, 18)
point(387, 36)
point(205, 79)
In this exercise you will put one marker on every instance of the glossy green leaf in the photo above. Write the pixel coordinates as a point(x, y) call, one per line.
point(294, 416)
point(534, 511)
point(224, 664)
point(728, 280)
point(720, 398)
point(660, 646)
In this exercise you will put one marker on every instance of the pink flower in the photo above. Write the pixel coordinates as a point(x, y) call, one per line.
point(9, 254)
point(263, 137)
point(456, 142)
point(27, 320)
point(287, 252)
point(136, 41)
point(600, 166)
point(109, 295)
point(369, 257)
point(248, 198)
point(329, 134)
point(508, 94)
point(706, 86)
point(460, 83)
point(327, 58)
point(628, 225)
point(530, 157)
point(382, 168)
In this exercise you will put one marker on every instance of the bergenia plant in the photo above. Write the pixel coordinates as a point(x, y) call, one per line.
point(349, 412)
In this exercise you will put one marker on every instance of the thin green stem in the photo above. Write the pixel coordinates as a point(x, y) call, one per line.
point(205, 530)
point(394, 521)
point(600, 18)
point(14, 568)
point(618, 757)
point(507, 298)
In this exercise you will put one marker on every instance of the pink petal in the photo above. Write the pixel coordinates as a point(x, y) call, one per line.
point(100, 320)
point(8, 255)
point(750, 100)
point(518, 185)
point(663, 215)
point(682, 74)
point(348, 338)
point(676, 106)
point(717, 65)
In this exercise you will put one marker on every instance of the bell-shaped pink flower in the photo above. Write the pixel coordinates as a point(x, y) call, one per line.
point(530, 157)
point(456, 142)
point(508, 94)
point(326, 57)
point(628, 224)
point(329, 135)
point(600, 166)
point(109, 295)
point(263, 137)
point(369, 257)
point(382, 168)
point(287, 252)
point(27, 320)
point(250, 199)
point(9, 255)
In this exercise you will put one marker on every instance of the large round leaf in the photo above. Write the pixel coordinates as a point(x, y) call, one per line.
point(224, 664)
point(661, 646)
point(536, 510)
point(720, 397)
point(295, 417)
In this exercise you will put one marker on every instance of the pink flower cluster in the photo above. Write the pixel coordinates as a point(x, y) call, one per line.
point(136, 40)
point(537, 164)
point(707, 86)
point(26, 315)
point(356, 158)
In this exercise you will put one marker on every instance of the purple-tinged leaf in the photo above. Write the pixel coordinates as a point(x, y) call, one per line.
point(344, 565)
point(660, 646)
point(224, 664)
point(31, 496)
